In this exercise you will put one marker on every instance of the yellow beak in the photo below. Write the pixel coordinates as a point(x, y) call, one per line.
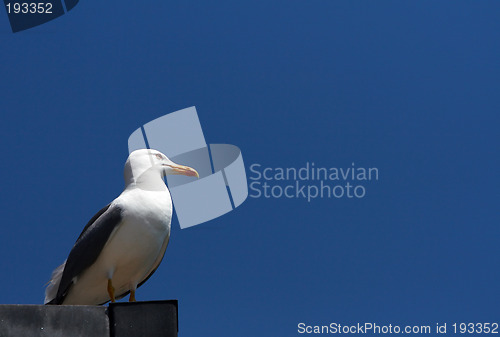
point(185, 170)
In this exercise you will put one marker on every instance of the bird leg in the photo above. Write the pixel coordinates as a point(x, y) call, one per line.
point(111, 291)
point(132, 296)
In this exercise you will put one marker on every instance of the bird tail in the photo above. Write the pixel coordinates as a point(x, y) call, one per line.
point(53, 284)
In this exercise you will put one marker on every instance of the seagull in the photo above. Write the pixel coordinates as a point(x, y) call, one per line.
point(123, 244)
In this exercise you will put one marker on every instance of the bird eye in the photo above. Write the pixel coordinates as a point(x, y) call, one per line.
point(159, 156)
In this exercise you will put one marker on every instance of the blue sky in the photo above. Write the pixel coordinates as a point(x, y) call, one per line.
point(408, 87)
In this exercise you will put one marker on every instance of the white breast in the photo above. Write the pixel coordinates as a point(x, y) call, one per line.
point(133, 250)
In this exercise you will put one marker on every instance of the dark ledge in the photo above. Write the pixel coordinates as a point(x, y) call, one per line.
point(138, 319)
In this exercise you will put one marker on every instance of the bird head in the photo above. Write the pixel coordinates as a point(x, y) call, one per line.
point(145, 164)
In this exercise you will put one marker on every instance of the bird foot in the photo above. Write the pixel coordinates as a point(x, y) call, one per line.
point(111, 291)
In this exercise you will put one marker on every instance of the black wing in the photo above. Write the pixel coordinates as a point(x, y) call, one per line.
point(88, 247)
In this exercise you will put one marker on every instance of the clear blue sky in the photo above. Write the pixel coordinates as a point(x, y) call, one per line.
point(411, 88)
